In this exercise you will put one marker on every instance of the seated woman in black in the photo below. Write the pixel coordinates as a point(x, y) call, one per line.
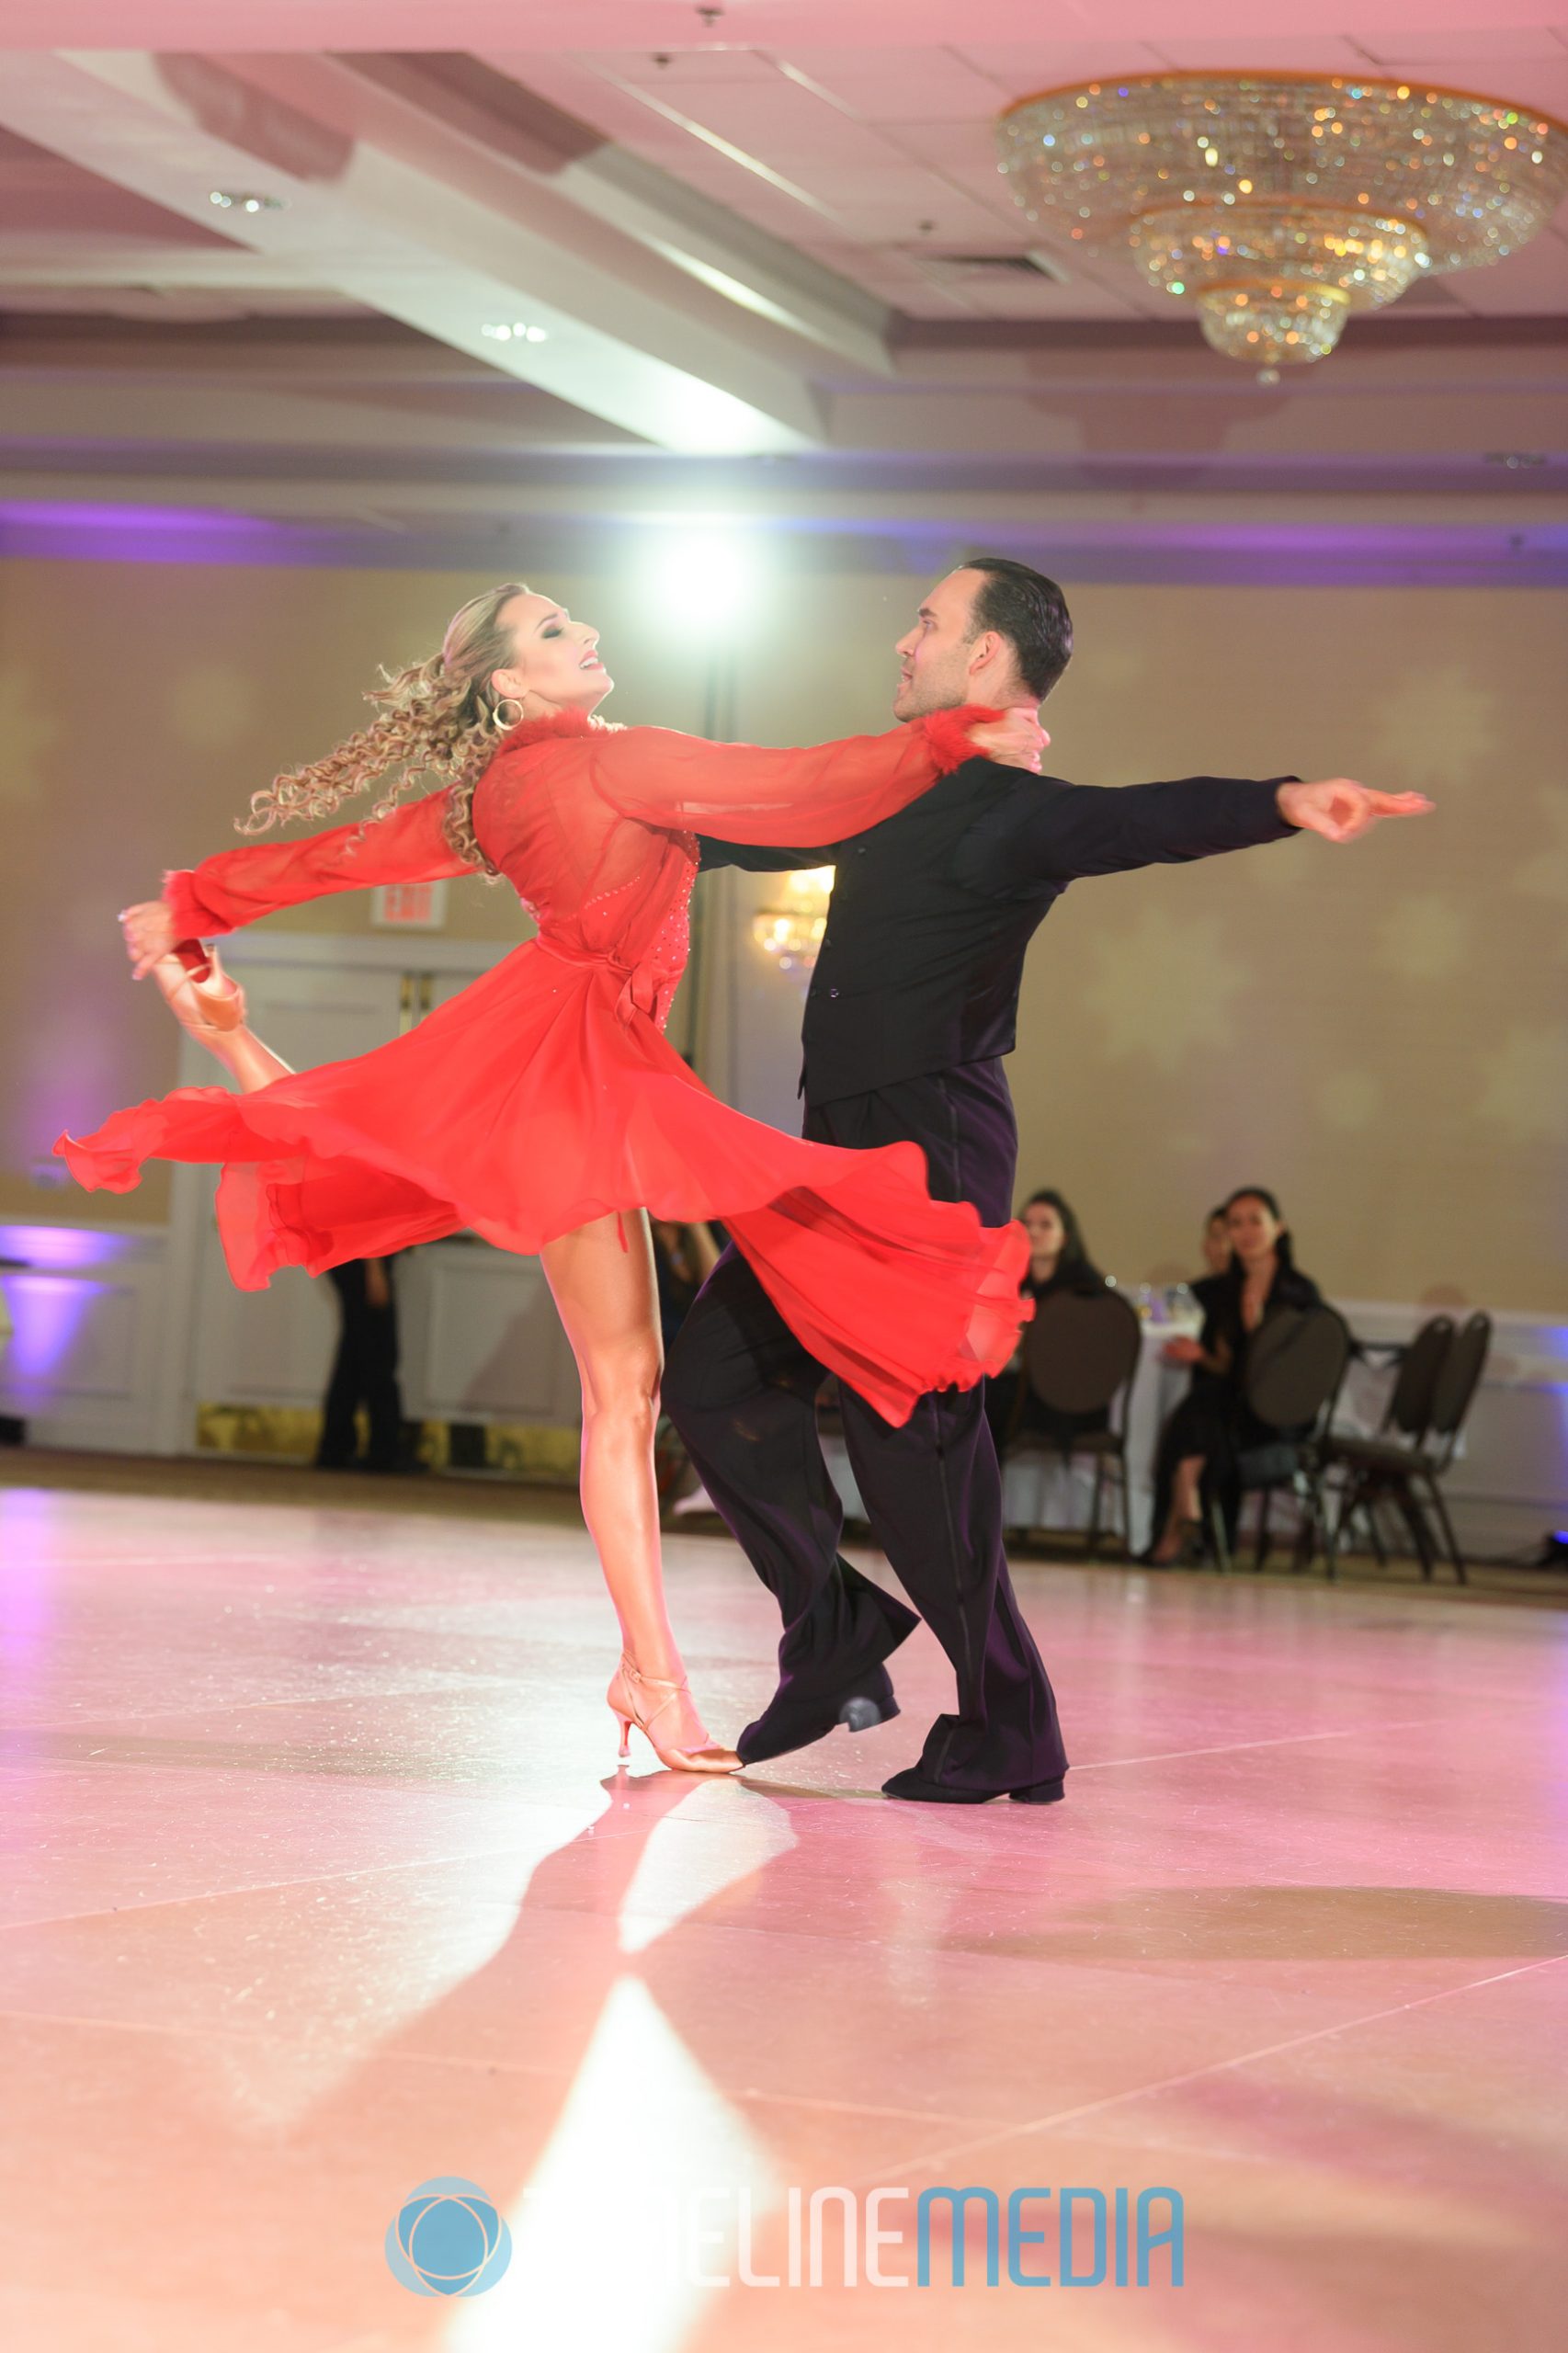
point(1207, 1289)
point(1212, 1423)
point(1057, 1261)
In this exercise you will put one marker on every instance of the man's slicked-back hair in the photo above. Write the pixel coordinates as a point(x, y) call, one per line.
point(1030, 612)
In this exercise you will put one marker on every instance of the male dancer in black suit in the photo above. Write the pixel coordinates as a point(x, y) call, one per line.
point(913, 1004)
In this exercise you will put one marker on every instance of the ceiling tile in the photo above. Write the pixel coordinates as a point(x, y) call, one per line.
point(778, 120)
point(1532, 283)
point(1018, 68)
point(946, 146)
point(916, 86)
point(1004, 295)
point(682, 67)
point(1515, 42)
point(1308, 53)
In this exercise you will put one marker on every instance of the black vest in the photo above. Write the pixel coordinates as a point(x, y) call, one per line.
point(916, 973)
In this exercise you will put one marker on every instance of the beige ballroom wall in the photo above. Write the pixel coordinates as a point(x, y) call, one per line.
point(1377, 1032)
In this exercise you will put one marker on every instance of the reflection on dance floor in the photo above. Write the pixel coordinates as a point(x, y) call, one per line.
point(320, 1885)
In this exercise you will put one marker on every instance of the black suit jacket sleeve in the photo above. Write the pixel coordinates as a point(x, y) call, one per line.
point(762, 860)
point(1047, 831)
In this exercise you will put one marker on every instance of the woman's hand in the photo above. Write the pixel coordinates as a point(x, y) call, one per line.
point(149, 928)
point(1182, 1351)
point(1015, 741)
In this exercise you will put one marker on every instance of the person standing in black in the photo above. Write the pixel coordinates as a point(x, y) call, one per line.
point(364, 1371)
point(913, 1004)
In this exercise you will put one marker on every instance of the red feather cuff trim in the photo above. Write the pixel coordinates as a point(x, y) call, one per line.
point(947, 732)
point(191, 919)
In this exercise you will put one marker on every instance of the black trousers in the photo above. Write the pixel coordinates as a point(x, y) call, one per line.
point(364, 1372)
point(741, 1390)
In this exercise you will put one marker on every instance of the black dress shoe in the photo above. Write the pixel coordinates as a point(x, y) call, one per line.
point(795, 1724)
point(911, 1783)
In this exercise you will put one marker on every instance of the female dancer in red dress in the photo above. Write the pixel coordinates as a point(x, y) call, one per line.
point(542, 1106)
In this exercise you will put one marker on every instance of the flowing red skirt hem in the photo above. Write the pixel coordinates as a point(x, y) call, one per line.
point(441, 1131)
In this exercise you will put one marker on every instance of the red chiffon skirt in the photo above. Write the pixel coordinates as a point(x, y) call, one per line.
point(530, 1104)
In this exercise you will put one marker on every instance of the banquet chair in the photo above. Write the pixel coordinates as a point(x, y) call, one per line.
point(1080, 1354)
point(1406, 1472)
point(1407, 1417)
point(1295, 1368)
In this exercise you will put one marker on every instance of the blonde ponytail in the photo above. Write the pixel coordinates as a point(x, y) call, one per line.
point(438, 717)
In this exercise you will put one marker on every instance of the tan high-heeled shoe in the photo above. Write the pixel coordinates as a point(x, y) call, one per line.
point(625, 1684)
point(200, 995)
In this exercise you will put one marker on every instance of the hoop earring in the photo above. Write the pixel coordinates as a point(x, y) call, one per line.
point(503, 726)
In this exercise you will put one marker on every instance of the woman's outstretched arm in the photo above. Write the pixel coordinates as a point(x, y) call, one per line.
point(739, 792)
point(240, 886)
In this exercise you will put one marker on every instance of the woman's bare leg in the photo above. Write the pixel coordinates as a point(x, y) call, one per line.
point(604, 1290)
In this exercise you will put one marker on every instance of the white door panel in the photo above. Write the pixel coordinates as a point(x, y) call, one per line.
point(482, 1343)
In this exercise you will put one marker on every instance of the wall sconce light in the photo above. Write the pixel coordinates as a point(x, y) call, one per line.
point(792, 932)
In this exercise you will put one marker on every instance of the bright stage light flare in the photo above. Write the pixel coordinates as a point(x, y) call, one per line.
point(708, 577)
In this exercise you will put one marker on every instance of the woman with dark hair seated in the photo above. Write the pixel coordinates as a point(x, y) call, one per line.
point(1057, 1261)
point(1213, 1425)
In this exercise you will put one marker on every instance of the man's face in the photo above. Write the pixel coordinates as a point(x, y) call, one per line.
point(935, 657)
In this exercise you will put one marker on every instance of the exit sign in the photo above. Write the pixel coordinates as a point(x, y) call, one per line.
point(409, 906)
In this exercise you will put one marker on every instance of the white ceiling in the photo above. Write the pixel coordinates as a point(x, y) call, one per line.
point(858, 134)
point(876, 162)
point(743, 237)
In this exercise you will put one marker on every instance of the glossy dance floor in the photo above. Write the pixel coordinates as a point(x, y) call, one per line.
point(319, 1885)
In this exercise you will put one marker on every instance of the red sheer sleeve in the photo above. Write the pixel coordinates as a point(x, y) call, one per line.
point(737, 792)
point(239, 886)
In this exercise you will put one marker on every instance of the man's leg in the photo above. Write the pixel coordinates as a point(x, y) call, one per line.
point(933, 1495)
point(741, 1391)
point(933, 1490)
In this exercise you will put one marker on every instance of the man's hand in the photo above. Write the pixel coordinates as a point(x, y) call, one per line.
point(1014, 741)
point(1341, 811)
point(149, 929)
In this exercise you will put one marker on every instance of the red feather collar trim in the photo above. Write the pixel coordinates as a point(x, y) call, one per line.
point(558, 724)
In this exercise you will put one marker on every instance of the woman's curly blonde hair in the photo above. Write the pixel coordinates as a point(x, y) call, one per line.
point(438, 717)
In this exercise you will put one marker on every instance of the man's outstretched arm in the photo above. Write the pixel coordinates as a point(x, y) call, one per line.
point(1054, 832)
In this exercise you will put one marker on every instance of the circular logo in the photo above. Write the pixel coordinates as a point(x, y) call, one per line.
point(448, 2239)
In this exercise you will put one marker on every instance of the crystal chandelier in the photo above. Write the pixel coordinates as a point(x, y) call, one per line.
point(792, 933)
point(1281, 203)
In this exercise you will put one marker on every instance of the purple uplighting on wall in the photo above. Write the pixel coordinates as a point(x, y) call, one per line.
point(51, 1297)
point(109, 533)
point(47, 1311)
point(63, 1248)
point(850, 537)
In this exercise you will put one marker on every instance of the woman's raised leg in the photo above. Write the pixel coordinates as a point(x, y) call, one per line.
point(601, 1278)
